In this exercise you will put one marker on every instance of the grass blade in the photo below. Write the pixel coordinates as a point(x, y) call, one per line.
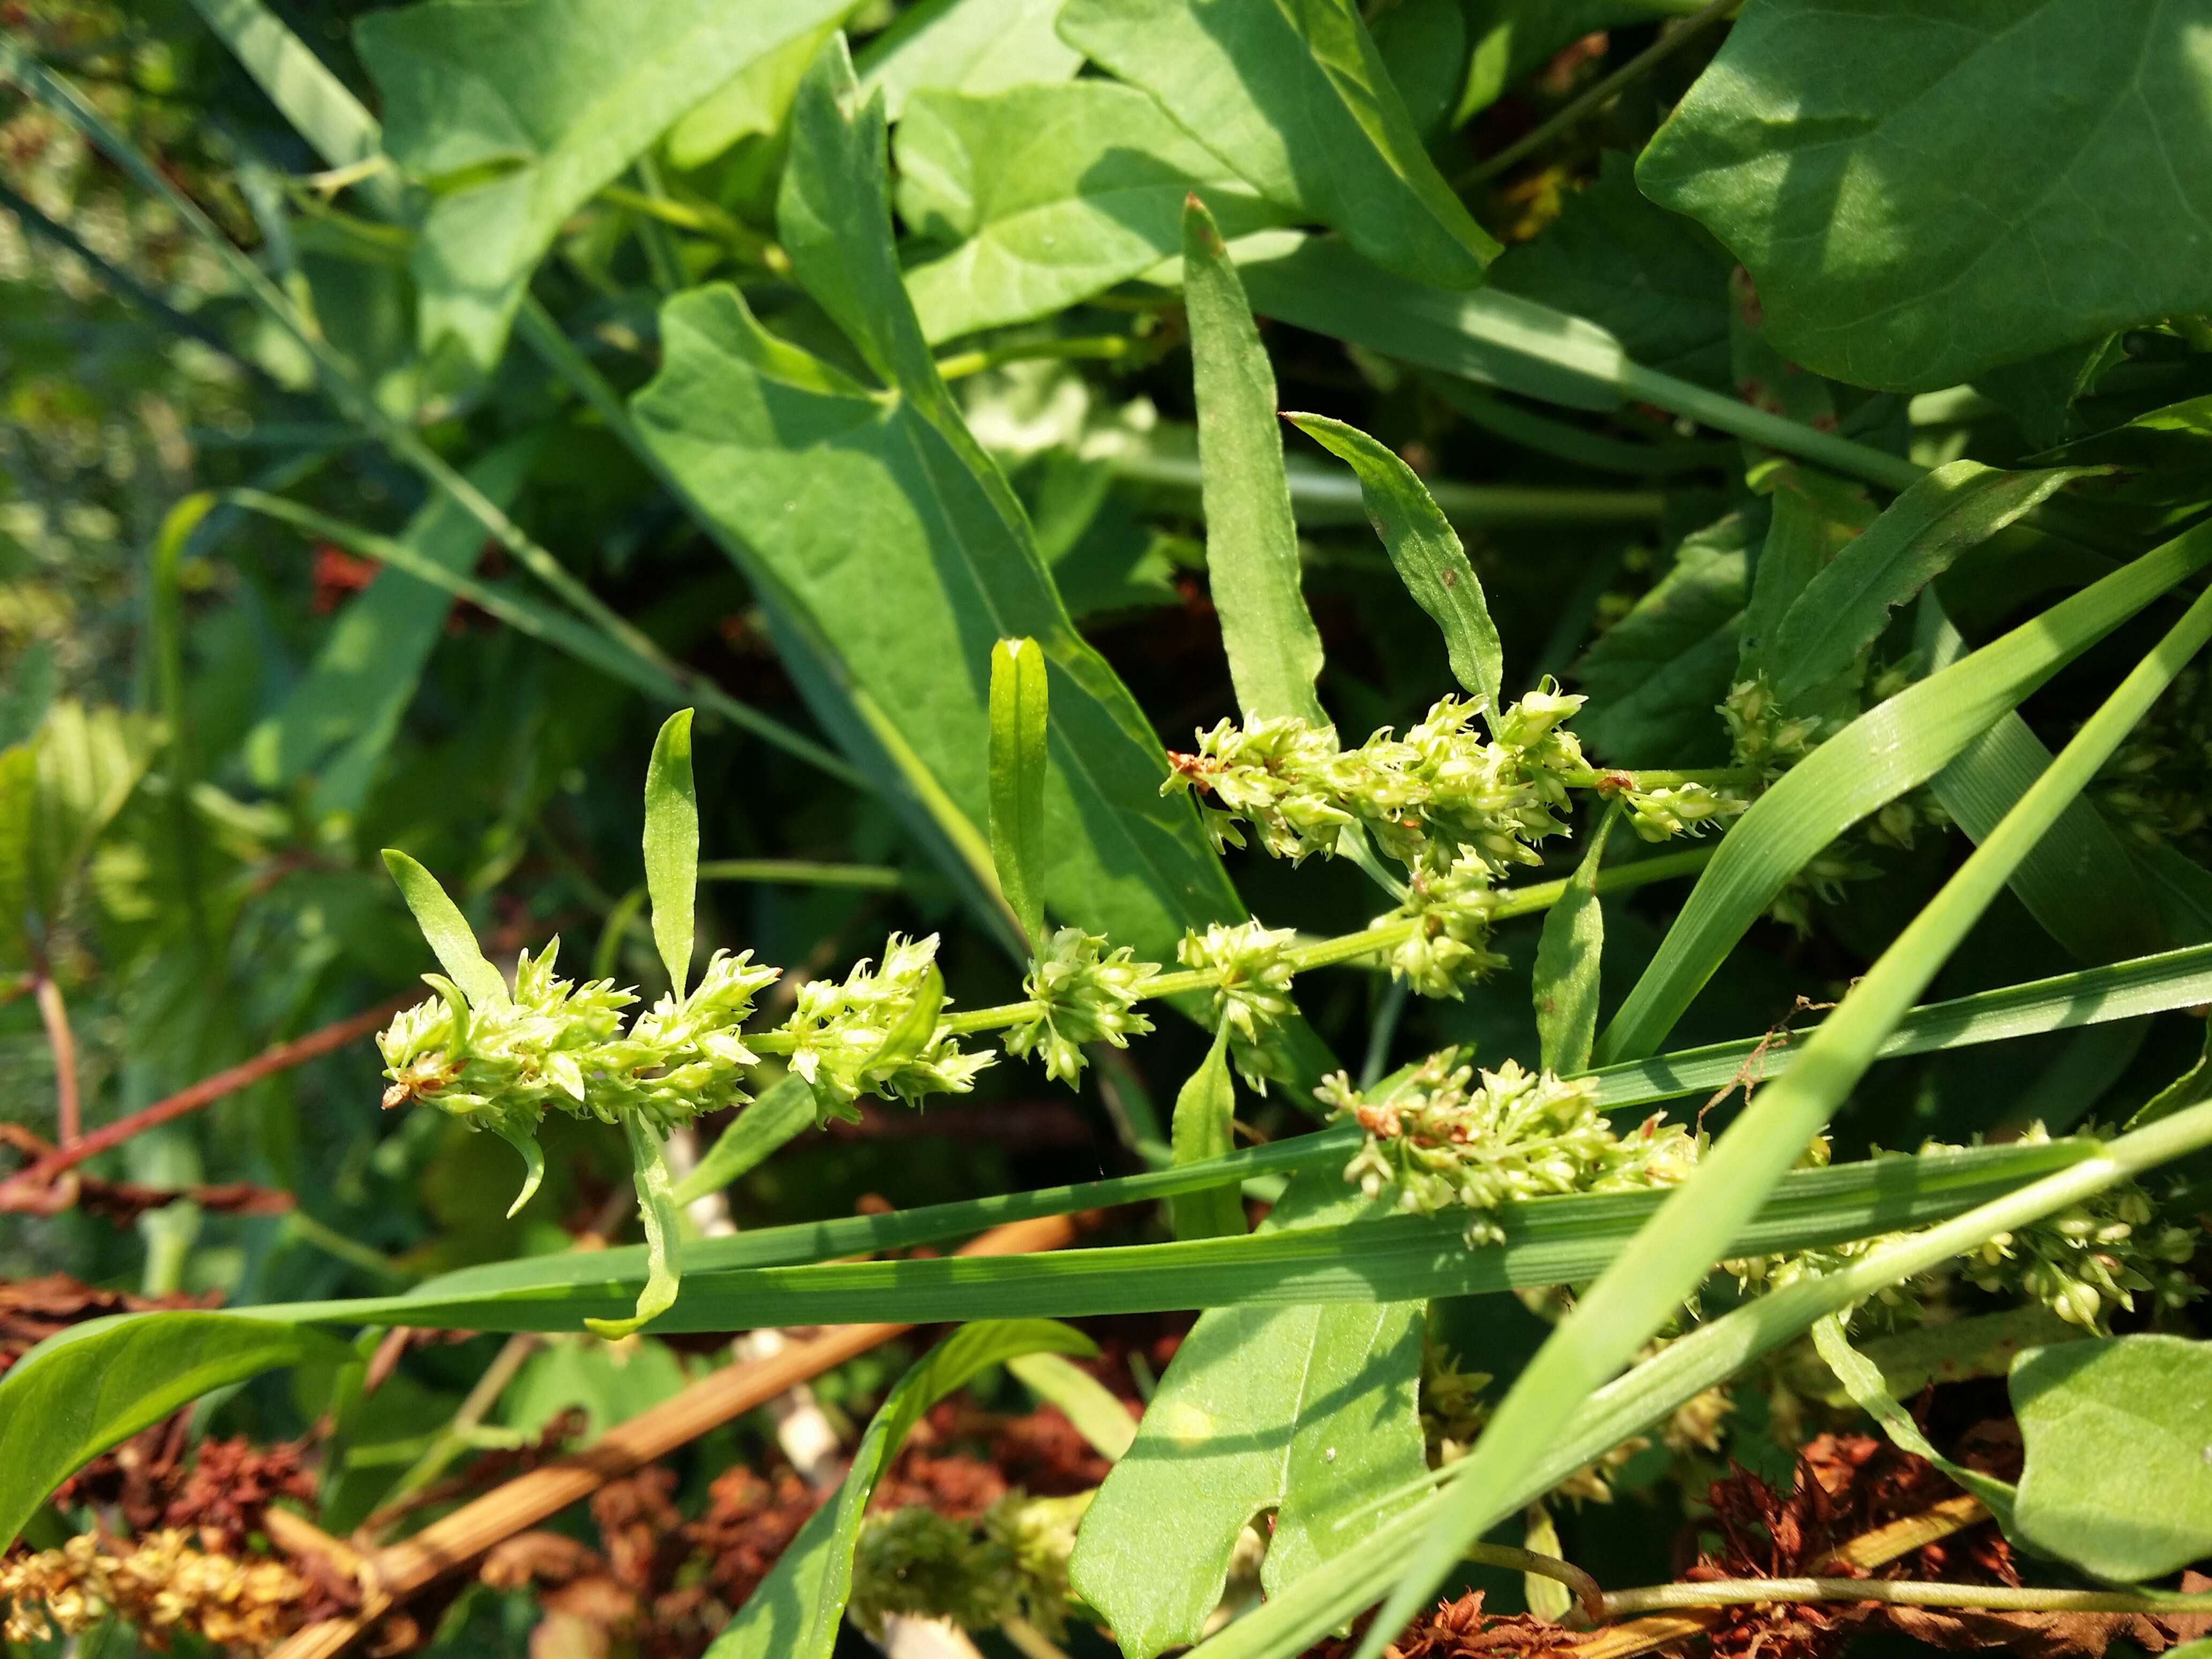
point(1020, 716)
point(447, 932)
point(671, 846)
point(1626, 1306)
point(1862, 1380)
point(1425, 549)
point(1891, 748)
point(1251, 537)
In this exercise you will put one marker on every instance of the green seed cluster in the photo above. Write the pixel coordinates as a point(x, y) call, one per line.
point(1254, 995)
point(1084, 994)
point(1010, 1562)
point(1449, 946)
point(1440, 1141)
point(1428, 799)
point(878, 1031)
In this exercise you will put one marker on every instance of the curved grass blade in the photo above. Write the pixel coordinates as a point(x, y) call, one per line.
point(1710, 1354)
point(1251, 536)
point(1096, 1411)
point(784, 1111)
point(796, 1611)
point(1626, 1306)
point(1869, 1391)
point(1020, 716)
point(1425, 549)
point(664, 1245)
point(1204, 1121)
point(1888, 749)
point(671, 846)
point(451, 938)
point(62, 1405)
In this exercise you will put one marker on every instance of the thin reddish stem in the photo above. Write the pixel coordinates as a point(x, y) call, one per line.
point(204, 1093)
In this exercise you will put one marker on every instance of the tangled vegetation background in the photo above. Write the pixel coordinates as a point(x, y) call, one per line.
point(407, 410)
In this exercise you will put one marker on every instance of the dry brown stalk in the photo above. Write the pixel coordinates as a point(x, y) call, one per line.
point(27, 1182)
point(457, 1540)
point(53, 1014)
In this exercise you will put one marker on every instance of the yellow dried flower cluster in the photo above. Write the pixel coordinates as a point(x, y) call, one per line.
point(160, 1583)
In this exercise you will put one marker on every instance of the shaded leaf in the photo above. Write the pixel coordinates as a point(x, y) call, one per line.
point(1656, 675)
point(1567, 957)
point(1204, 1123)
point(1251, 537)
point(1294, 96)
point(671, 846)
point(2115, 1479)
point(1842, 152)
point(1863, 1381)
point(1425, 551)
point(1019, 721)
point(974, 46)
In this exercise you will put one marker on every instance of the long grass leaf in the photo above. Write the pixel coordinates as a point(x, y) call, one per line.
point(1893, 747)
point(1627, 1305)
point(1251, 537)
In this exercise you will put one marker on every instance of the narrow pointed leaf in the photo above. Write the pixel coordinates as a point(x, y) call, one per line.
point(784, 1111)
point(671, 846)
point(1204, 1114)
point(451, 940)
point(664, 1244)
point(1567, 954)
point(1425, 550)
point(1097, 1413)
point(1020, 719)
point(1251, 537)
point(1863, 1382)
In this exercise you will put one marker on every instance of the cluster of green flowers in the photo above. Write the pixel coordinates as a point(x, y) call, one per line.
point(1429, 798)
point(554, 1044)
point(1254, 994)
point(2080, 1263)
point(878, 1031)
point(1450, 946)
point(1440, 1141)
point(2153, 785)
point(1011, 1562)
point(1084, 993)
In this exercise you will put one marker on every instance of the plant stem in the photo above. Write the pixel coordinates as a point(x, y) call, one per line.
point(1103, 347)
point(53, 1014)
point(1738, 1592)
point(1669, 42)
point(332, 1243)
point(1593, 1601)
point(799, 872)
point(1322, 496)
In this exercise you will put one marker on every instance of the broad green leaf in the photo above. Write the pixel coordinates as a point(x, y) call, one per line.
point(340, 719)
point(447, 931)
point(657, 1209)
point(751, 103)
point(1097, 1414)
point(98, 1383)
point(1654, 280)
point(974, 46)
point(880, 525)
point(2081, 882)
point(1711, 1353)
point(1550, 1240)
point(1020, 718)
point(1628, 1304)
point(1425, 551)
point(2191, 1086)
point(1309, 1411)
point(1813, 518)
point(1294, 96)
point(1567, 955)
point(1843, 152)
point(519, 111)
point(1845, 606)
point(796, 1611)
point(1251, 537)
point(671, 846)
point(1863, 1382)
point(1890, 749)
point(784, 1111)
point(1048, 195)
point(2115, 1479)
point(1204, 1129)
point(1654, 676)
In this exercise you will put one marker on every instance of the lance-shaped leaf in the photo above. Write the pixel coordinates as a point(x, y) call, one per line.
point(447, 932)
point(1096, 1411)
point(784, 1111)
point(1869, 1391)
point(1425, 549)
point(1293, 94)
point(1567, 957)
point(664, 1244)
point(74, 1396)
point(1251, 537)
point(1309, 1411)
point(796, 1611)
point(521, 110)
point(671, 846)
point(1020, 720)
point(2116, 1480)
point(1204, 1127)
point(1845, 605)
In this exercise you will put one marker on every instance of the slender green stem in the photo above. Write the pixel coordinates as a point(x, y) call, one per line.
point(1899, 1592)
point(1103, 348)
point(1588, 1596)
point(1326, 497)
point(332, 1243)
point(1669, 42)
point(741, 239)
point(1614, 777)
point(798, 872)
